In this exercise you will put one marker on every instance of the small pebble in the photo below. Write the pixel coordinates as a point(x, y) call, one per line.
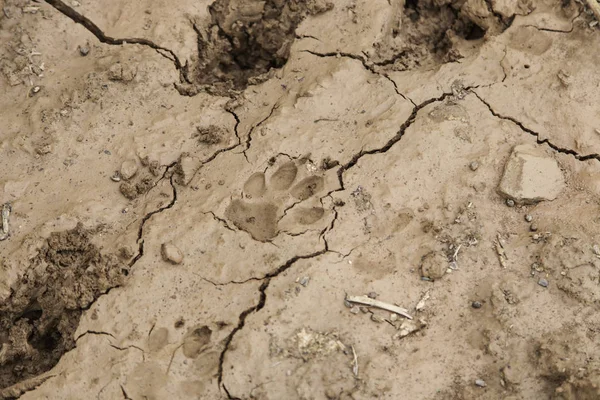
point(376, 318)
point(34, 90)
point(510, 202)
point(528, 218)
point(480, 383)
point(536, 237)
point(543, 282)
point(354, 310)
point(304, 281)
point(347, 304)
point(364, 309)
point(128, 169)
point(372, 295)
point(533, 228)
point(474, 165)
point(116, 177)
point(171, 253)
point(476, 304)
point(84, 50)
point(393, 317)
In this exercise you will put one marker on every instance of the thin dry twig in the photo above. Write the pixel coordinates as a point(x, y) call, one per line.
point(367, 301)
point(354, 362)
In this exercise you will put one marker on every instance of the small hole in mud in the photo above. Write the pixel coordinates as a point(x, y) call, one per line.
point(48, 342)
point(476, 32)
point(526, 66)
point(179, 324)
point(242, 44)
point(411, 9)
point(33, 315)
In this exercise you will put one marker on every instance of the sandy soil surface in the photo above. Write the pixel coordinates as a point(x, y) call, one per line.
point(289, 199)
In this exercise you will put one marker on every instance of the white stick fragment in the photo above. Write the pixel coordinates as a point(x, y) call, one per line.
point(4, 227)
point(455, 255)
point(367, 301)
point(421, 303)
point(354, 363)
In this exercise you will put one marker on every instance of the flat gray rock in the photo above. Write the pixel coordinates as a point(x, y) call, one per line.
point(531, 176)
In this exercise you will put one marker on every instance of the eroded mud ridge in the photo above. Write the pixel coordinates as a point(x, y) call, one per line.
point(427, 31)
point(248, 38)
point(39, 320)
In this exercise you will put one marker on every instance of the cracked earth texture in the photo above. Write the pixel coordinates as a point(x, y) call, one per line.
point(290, 154)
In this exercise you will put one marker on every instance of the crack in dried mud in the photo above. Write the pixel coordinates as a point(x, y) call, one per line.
point(547, 142)
point(140, 238)
point(249, 138)
point(558, 30)
point(222, 221)
point(259, 306)
point(125, 395)
point(89, 332)
point(366, 64)
point(103, 38)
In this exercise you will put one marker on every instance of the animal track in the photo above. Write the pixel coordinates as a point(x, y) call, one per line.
point(265, 201)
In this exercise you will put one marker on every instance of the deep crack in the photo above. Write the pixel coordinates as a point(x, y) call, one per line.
point(261, 304)
point(547, 142)
point(88, 332)
point(103, 38)
point(140, 239)
point(390, 142)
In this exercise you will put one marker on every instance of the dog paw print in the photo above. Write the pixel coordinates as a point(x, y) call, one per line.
point(268, 198)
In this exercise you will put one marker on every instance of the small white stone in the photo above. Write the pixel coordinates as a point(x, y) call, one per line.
point(171, 253)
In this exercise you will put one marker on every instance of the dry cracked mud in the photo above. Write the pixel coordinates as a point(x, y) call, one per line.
point(207, 199)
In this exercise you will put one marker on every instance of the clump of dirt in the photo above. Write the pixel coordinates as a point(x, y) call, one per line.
point(563, 360)
point(134, 190)
point(428, 31)
point(209, 135)
point(246, 39)
point(39, 319)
